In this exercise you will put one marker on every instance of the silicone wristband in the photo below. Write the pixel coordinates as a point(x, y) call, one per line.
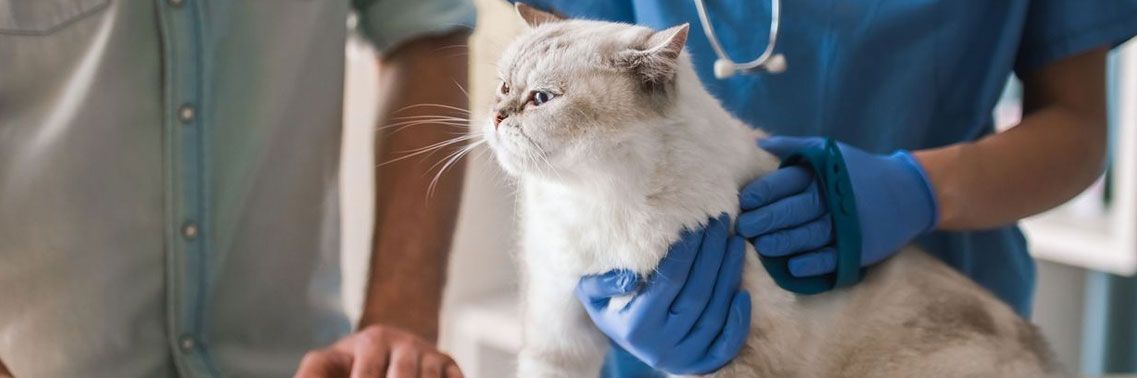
point(828, 166)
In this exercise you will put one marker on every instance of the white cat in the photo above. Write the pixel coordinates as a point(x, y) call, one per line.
point(617, 147)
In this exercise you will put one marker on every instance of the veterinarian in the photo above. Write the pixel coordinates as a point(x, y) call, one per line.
point(908, 90)
point(169, 195)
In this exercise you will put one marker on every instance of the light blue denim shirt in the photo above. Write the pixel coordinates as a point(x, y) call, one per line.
point(168, 189)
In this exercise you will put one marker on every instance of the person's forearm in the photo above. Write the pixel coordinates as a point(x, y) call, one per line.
point(413, 226)
point(1055, 153)
point(1015, 174)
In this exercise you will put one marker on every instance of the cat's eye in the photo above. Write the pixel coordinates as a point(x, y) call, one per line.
point(504, 88)
point(540, 97)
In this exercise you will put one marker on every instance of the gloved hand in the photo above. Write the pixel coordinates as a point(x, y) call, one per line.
point(783, 213)
point(689, 317)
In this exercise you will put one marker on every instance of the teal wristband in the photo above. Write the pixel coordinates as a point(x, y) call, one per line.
point(828, 166)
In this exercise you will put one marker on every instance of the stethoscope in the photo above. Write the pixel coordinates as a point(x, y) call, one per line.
point(768, 61)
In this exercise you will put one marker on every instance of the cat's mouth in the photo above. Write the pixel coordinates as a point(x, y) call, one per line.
point(517, 151)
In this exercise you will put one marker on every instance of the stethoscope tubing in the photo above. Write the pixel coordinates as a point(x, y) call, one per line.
point(726, 66)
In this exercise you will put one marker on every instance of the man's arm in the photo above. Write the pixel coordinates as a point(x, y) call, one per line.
point(413, 226)
point(1055, 153)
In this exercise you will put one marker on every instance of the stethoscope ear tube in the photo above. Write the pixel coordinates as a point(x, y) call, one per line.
point(726, 67)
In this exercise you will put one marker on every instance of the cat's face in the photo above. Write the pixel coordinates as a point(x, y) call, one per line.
point(571, 93)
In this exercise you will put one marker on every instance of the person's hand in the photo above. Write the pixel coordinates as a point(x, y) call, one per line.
point(784, 213)
point(378, 351)
point(689, 317)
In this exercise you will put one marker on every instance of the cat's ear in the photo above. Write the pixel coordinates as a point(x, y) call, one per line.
point(668, 43)
point(658, 60)
point(533, 16)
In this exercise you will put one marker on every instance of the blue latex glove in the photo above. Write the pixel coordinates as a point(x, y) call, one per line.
point(783, 213)
point(689, 317)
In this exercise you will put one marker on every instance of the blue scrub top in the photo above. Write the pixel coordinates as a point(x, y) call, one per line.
point(887, 75)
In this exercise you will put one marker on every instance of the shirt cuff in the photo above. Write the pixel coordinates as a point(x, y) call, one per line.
point(390, 23)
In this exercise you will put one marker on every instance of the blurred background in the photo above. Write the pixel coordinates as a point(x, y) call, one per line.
point(1086, 303)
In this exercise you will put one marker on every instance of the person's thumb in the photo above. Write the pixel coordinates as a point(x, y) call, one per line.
point(784, 146)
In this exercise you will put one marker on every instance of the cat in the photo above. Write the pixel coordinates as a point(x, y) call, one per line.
point(616, 148)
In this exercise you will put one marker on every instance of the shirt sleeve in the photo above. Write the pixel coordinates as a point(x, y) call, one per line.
point(1057, 29)
point(389, 23)
point(606, 10)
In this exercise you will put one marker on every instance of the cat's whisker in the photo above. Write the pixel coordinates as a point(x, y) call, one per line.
point(461, 89)
point(436, 146)
point(442, 106)
point(425, 121)
point(544, 156)
point(492, 170)
point(405, 124)
point(447, 47)
point(454, 158)
point(401, 128)
point(452, 154)
point(463, 137)
point(433, 116)
point(430, 120)
point(430, 148)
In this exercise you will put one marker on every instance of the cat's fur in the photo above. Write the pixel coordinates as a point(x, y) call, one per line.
point(633, 150)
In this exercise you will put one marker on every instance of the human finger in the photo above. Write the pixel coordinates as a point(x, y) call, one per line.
point(370, 353)
point(784, 146)
point(816, 263)
point(779, 184)
point(696, 292)
point(731, 340)
point(713, 319)
point(788, 212)
point(404, 362)
point(324, 363)
point(809, 236)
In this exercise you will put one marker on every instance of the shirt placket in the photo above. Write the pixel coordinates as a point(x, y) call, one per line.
point(188, 229)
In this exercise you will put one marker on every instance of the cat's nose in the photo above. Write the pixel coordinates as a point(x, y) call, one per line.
point(497, 118)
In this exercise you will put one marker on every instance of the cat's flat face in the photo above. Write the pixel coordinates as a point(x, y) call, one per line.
point(570, 94)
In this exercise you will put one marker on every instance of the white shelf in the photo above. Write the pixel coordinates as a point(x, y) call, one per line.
point(1085, 243)
point(487, 335)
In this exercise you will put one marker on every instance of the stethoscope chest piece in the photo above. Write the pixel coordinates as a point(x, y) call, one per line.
point(725, 68)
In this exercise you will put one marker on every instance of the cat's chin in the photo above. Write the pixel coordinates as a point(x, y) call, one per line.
point(504, 158)
point(511, 164)
point(507, 165)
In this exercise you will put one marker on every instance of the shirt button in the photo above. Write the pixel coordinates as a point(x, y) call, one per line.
point(186, 113)
point(189, 230)
point(186, 343)
point(176, 3)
